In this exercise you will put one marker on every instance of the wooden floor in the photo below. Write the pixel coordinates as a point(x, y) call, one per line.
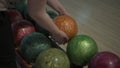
point(99, 19)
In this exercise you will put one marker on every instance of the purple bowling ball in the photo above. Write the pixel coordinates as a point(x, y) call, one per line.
point(105, 60)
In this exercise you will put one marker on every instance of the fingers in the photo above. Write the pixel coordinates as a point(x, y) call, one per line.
point(64, 41)
point(59, 39)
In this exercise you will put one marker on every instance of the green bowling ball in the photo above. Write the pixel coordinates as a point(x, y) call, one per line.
point(32, 45)
point(81, 49)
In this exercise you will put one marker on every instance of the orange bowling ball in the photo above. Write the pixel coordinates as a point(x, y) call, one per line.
point(67, 24)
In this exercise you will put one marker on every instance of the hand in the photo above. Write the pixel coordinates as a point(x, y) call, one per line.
point(57, 6)
point(60, 37)
point(64, 13)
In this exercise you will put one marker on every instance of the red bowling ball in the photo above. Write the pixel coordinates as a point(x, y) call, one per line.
point(105, 60)
point(20, 29)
